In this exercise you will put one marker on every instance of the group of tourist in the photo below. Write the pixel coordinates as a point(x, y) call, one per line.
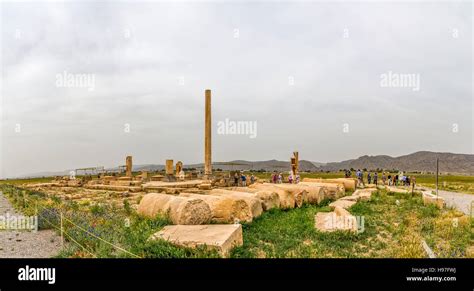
point(401, 180)
point(241, 180)
point(277, 178)
point(391, 180)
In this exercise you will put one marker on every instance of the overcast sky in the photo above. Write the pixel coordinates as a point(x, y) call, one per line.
point(309, 75)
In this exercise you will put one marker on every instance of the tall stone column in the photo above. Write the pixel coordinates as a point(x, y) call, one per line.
point(128, 164)
point(207, 136)
point(297, 162)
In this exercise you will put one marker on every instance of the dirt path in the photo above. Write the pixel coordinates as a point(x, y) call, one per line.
point(26, 244)
point(461, 201)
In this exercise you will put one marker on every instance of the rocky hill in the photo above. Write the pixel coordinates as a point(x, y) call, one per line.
point(422, 161)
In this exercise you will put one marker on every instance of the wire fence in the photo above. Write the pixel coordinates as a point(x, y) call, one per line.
point(57, 218)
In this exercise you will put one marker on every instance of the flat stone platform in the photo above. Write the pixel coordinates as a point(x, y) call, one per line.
point(220, 237)
point(178, 184)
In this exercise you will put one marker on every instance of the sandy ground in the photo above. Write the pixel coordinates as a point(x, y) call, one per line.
point(26, 244)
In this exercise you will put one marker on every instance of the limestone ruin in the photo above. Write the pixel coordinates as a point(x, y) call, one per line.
point(207, 136)
point(222, 238)
point(206, 208)
point(128, 164)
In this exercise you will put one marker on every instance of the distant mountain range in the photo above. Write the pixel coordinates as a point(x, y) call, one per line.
point(422, 161)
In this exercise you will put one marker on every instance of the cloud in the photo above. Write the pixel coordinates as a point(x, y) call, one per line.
point(151, 63)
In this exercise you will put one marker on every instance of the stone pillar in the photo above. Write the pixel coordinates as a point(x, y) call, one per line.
point(179, 167)
point(207, 136)
point(297, 162)
point(128, 164)
point(294, 164)
point(169, 167)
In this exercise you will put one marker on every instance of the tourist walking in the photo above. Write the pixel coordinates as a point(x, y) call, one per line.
point(275, 178)
point(236, 179)
point(244, 180)
point(360, 176)
point(376, 175)
point(369, 177)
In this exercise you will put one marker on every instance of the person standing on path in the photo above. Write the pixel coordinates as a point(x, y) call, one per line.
point(244, 180)
point(236, 179)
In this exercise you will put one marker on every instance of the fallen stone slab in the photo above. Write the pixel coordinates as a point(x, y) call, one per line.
point(120, 183)
point(396, 190)
point(178, 184)
point(114, 188)
point(341, 211)
point(220, 237)
point(46, 185)
point(205, 186)
point(354, 198)
point(330, 221)
point(363, 194)
point(342, 203)
point(429, 198)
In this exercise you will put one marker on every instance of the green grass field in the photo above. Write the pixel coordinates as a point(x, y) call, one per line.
point(455, 183)
point(391, 230)
point(26, 181)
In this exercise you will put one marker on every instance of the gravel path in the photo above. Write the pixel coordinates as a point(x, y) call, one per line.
point(26, 244)
point(461, 201)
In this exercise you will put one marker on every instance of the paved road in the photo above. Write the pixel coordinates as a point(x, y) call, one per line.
point(25, 244)
point(461, 201)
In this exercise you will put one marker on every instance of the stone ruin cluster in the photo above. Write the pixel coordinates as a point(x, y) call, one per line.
point(211, 217)
point(207, 209)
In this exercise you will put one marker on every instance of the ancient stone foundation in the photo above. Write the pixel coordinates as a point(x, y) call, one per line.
point(429, 198)
point(221, 238)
